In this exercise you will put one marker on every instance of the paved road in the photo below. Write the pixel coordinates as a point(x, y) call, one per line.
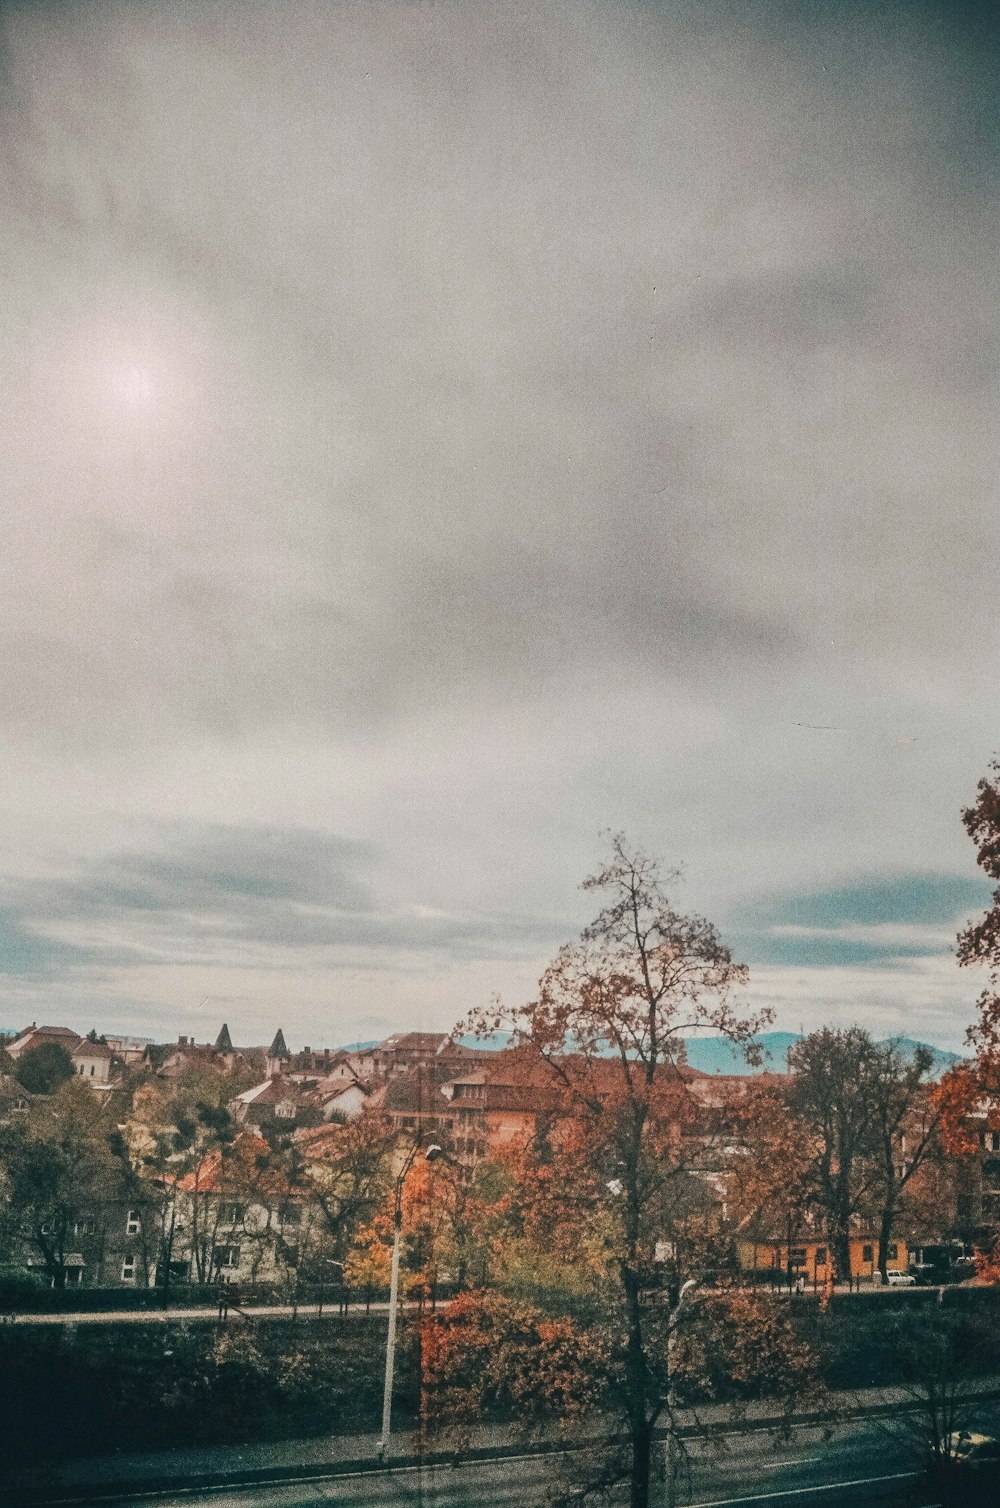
point(864, 1463)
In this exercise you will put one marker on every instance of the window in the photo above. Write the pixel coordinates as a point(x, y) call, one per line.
point(227, 1256)
point(821, 1256)
point(128, 1270)
point(91, 1070)
point(229, 1214)
point(286, 1110)
point(797, 1256)
point(85, 1226)
point(292, 1215)
point(991, 1141)
point(892, 1252)
point(132, 1224)
point(867, 1254)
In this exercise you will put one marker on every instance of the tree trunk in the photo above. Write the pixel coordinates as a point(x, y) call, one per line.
point(642, 1440)
point(840, 1245)
point(640, 1433)
point(884, 1237)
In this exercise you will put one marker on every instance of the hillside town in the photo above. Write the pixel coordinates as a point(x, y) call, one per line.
point(255, 1165)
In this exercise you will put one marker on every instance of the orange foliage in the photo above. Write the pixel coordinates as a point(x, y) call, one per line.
point(485, 1356)
point(988, 1265)
point(956, 1097)
point(743, 1344)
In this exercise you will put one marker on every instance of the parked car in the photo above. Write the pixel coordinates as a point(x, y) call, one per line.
point(897, 1279)
point(967, 1449)
point(970, 1476)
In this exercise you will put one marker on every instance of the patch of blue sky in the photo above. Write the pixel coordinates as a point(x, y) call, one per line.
point(867, 924)
point(912, 898)
point(818, 951)
point(25, 953)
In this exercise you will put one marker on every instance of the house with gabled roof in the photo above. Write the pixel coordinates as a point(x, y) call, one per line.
point(15, 1100)
point(275, 1102)
point(235, 1216)
point(35, 1036)
point(93, 1061)
point(336, 1098)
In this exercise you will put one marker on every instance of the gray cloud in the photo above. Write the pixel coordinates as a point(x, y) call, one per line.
point(234, 896)
point(462, 427)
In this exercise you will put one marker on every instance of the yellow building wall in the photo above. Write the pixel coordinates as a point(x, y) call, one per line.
point(812, 1259)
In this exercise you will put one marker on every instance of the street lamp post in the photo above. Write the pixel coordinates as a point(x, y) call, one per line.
point(432, 1152)
point(670, 1446)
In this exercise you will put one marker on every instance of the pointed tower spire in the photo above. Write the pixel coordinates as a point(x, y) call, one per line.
point(224, 1042)
point(277, 1048)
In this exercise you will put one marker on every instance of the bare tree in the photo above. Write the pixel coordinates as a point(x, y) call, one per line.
point(905, 1119)
point(865, 1108)
point(606, 1036)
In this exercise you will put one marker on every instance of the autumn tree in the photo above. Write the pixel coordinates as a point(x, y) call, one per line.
point(979, 943)
point(172, 1141)
point(449, 1210)
point(56, 1168)
point(343, 1174)
point(605, 1034)
point(487, 1356)
point(971, 1086)
point(770, 1176)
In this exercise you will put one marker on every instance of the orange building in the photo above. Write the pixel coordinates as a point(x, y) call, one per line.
point(809, 1258)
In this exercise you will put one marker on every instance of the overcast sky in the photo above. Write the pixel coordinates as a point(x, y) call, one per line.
point(433, 434)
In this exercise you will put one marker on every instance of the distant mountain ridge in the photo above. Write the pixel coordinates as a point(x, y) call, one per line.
point(719, 1055)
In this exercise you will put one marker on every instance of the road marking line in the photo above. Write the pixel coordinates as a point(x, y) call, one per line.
point(371, 1472)
point(795, 1492)
point(798, 1461)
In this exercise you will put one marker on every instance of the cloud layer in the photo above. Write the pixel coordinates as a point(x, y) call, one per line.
point(433, 434)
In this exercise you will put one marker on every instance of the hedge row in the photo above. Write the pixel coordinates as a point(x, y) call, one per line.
point(103, 1388)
